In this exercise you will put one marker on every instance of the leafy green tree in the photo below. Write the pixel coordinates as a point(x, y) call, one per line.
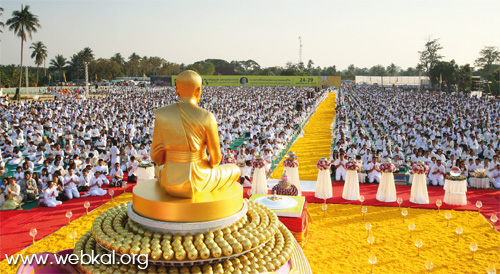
point(170, 69)
point(494, 81)
point(23, 23)
point(430, 55)
point(134, 56)
point(218, 62)
point(58, 63)
point(155, 63)
point(39, 53)
point(118, 58)
point(75, 65)
point(328, 71)
point(378, 70)
point(208, 69)
point(464, 78)
point(393, 70)
point(488, 56)
point(105, 68)
point(447, 71)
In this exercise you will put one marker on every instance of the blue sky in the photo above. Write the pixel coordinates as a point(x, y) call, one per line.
point(362, 32)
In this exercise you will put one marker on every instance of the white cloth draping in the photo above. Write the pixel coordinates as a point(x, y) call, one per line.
point(293, 177)
point(419, 193)
point(480, 182)
point(259, 181)
point(387, 189)
point(144, 174)
point(351, 186)
point(455, 192)
point(323, 185)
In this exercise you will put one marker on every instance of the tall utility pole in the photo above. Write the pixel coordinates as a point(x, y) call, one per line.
point(300, 49)
point(27, 76)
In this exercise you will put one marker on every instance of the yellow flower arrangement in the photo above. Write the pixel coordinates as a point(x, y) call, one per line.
point(338, 243)
point(60, 239)
point(315, 143)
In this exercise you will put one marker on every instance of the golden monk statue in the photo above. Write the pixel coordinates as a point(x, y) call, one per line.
point(182, 134)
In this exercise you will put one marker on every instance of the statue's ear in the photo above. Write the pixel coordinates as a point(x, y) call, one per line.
point(197, 92)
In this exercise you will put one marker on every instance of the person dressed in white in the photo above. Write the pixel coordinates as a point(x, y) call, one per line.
point(132, 170)
point(339, 164)
point(103, 171)
point(50, 195)
point(17, 157)
point(84, 180)
point(246, 173)
point(495, 175)
point(437, 174)
point(95, 186)
point(373, 171)
point(116, 175)
point(70, 184)
point(268, 160)
point(114, 151)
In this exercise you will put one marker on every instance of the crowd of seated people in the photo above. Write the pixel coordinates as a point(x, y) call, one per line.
point(73, 147)
point(442, 130)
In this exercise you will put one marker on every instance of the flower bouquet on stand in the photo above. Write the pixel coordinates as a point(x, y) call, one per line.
point(387, 167)
point(291, 162)
point(323, 164)
point(352, 165)
point(258, 162)
point(420, 168)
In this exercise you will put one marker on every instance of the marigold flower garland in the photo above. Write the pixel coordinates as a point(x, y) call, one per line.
point(316, 141)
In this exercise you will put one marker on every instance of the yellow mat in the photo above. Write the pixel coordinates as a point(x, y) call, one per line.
point(337, 243)
point(315, 143)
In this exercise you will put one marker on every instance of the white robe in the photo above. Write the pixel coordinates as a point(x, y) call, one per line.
point(50, 200)
point(95, 187)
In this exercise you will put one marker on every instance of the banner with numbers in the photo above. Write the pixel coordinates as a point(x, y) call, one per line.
point(273, 81)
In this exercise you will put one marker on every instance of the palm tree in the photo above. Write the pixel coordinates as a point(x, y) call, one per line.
point(87, 54)
point(2, 24)
point(134, 57)
point(118, 58)
point(39, 54)
point(74, 64)
point(58, 63)
point(23, 23)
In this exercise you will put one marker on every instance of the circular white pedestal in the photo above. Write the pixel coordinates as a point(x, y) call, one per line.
point(184, 228)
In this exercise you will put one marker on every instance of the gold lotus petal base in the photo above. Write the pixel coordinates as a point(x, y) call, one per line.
point(150, 200)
